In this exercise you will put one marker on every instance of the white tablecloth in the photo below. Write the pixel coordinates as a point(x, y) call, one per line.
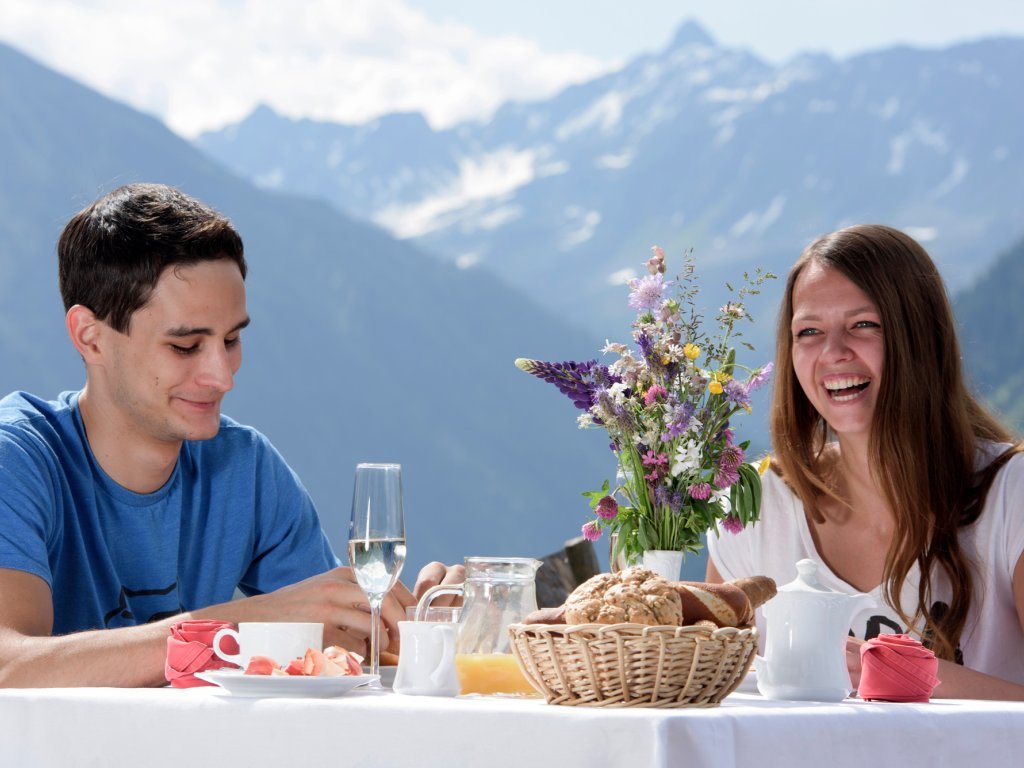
point(199, 727)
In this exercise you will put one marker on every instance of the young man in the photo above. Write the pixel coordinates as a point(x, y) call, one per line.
point(134, 503)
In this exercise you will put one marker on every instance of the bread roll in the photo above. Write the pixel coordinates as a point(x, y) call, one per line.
point(759, 590)
point(730, 604)
point(633, 596)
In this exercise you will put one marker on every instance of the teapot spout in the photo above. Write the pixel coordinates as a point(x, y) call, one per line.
point(861, 601)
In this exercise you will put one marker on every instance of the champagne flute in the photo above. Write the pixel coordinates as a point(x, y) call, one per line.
point(376, 540)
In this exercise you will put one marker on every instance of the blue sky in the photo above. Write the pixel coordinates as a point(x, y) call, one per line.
point(200, 64)
point(775, 29)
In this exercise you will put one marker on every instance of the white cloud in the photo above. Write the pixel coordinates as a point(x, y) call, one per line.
point(580, 226)
point(621, 277)
point(480, 179)
point(617, 161)
point(922, 234)
point(201, 65)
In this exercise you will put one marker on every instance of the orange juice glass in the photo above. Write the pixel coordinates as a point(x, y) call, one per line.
point(490, 673)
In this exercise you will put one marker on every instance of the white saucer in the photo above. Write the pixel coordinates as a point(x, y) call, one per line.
point(235, 682)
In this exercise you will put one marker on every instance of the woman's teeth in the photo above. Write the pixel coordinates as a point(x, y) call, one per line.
point(847, 388)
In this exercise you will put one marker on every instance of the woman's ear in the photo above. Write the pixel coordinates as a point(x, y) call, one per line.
point(84, 329)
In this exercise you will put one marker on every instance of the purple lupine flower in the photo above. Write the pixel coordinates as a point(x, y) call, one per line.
point(737, 394)
point(732, 524)
point(577, 381)
point(607, 508)
point(662, 495)
point(701, 491)
point(759, 378)
point(653, 394)
point(590, 531)
point(677, 501)
point(647, 292)
point(646, 346)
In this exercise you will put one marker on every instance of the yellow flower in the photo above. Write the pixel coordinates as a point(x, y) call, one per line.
point(715, 388)
point(692, 351)
point(665, 359)
point(763, 466)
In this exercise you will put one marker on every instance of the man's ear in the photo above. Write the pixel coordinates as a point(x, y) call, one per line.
point(85, 330)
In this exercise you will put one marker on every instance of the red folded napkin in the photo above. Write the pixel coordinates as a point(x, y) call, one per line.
point(896, 668)
point(190, 650)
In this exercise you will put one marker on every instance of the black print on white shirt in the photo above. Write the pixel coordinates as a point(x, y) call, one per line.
point(939, 609)
point(125, 616)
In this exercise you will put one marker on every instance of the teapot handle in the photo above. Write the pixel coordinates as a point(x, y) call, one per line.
point(430, 594)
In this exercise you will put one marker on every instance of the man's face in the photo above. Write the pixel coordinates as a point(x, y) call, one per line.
point(166, 377)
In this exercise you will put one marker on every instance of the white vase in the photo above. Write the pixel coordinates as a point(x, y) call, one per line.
point(667, 563)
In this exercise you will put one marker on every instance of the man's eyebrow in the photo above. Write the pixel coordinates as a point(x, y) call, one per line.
point(184, 330)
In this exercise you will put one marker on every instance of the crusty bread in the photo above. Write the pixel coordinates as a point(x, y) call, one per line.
point(633, 596)
point(604, 600)
point(730, 604)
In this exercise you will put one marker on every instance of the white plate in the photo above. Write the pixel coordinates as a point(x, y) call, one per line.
point(235, 682)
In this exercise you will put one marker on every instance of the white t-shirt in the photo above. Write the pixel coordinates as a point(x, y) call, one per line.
point(992, 641)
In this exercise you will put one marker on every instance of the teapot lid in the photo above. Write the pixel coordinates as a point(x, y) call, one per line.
point(807, 580)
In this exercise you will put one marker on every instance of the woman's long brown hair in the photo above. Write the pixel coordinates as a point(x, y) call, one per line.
point(925, 429)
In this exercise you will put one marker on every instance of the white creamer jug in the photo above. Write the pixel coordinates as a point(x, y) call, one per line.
point(805, 640)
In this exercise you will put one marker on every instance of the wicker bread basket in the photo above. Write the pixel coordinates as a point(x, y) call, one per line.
point(633, 665)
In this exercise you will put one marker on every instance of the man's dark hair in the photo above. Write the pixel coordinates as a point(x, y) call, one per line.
point(111, 254)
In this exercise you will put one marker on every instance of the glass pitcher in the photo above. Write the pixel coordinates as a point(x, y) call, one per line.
point(498, 591)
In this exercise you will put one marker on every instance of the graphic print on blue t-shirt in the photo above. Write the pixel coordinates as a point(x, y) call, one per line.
point(133, 607)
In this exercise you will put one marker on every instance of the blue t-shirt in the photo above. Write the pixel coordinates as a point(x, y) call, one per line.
point(232, 514)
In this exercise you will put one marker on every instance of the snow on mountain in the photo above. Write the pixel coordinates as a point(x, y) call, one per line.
point(697, 146)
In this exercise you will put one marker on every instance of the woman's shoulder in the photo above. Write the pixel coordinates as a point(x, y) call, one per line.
point(1005, 459)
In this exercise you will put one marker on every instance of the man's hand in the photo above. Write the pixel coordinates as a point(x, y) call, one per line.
point(134, 656)
point(336, 599)
point(436, 573)
point(333, 598)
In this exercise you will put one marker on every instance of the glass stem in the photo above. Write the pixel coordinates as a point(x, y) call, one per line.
point(375, 603)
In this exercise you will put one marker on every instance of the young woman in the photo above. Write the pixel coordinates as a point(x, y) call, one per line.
point(888, 472)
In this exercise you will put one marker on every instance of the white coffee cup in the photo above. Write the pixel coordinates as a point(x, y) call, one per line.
point(282, 641)
point(426, 666)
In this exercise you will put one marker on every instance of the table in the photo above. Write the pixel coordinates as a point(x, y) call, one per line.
point(198, 727)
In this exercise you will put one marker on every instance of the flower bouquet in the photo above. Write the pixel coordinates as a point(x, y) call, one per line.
point(667, 405)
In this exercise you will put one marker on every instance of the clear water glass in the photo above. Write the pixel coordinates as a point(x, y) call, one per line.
point(376, 540)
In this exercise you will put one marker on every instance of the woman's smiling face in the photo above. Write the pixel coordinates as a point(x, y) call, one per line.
point(838, 351)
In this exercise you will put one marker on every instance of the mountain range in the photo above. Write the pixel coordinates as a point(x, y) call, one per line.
point(361, 347)
point(398, 270)
point(697, 146)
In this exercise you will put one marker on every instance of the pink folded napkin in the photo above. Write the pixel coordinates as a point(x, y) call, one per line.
point(190, 650)
point(897, 668)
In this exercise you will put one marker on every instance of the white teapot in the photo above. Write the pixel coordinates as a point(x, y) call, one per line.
point(805, 645)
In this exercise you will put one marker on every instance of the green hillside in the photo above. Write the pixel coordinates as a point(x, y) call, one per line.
point(991, 318)
point(362, 348)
